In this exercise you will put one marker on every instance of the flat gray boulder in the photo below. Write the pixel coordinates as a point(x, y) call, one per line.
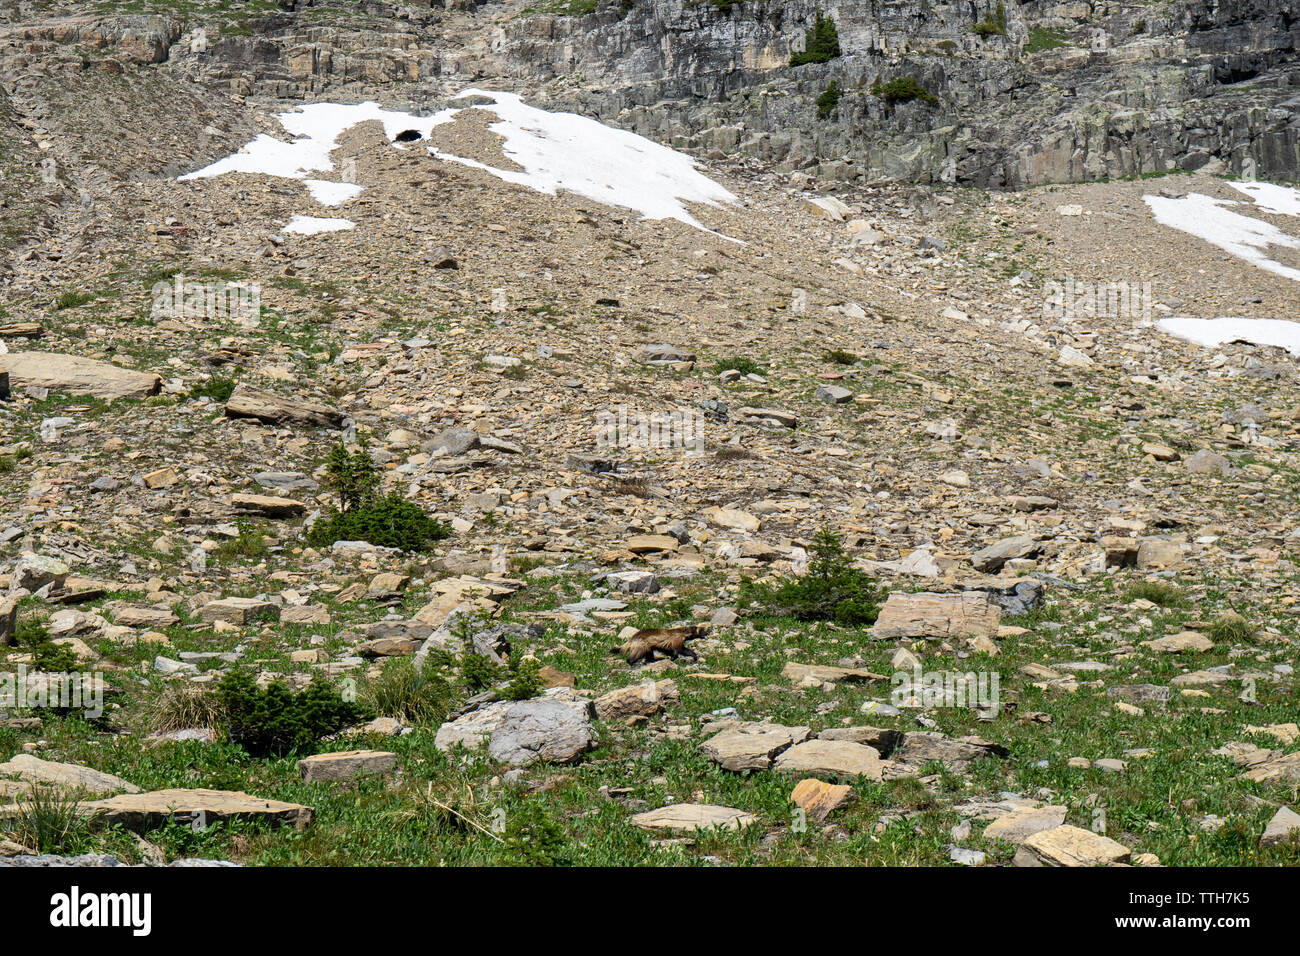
point(551, 730)
point(690, 817)
point(555, 728)
point(64, 776)
point(831, 758)
point(345, 765)
point(992, 558)
point(78, 376)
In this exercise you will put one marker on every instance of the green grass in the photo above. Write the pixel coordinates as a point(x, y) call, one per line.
point(737, 363)
point(994, 25)
point(1041, 38)
point(71, 299)
point(443, 810)
point(1158, 592)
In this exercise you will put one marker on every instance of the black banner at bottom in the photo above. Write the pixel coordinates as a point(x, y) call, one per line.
point(139, 905)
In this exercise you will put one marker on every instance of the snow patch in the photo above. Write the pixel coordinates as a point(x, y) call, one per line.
point(556, 150)
point(317, 127)
point(331, 194)
point(310, 225)
point(612, 166)
point(1283, 200)
point(1212, 333)
point(1208, 218)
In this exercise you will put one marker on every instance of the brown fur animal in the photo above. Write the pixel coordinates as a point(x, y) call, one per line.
point(670, 641)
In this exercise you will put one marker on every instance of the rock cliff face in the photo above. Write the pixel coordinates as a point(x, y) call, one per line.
point(1052, 92)
point(1072, 91)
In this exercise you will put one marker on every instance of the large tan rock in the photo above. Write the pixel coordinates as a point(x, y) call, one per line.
point(388, 647)
point(690, 817)
point(1070, 846)
point(1020, 824)
point(1180, 642)
point(651, 543)
point(77, 376)
point(732, 518)
point(819, 799)
point(799, 673)
point(638, 700)
point(246, 402)
point(8, 619)
point(147, 811)
point(345, 765)
point(828, 207)
point(883, 739)
point(751, 746)
point(1157, 552)
point(970, 614)
point(1282, 829)
point(920, 747)
point(271, 506)
point(831, 758)
point(237, 610)
point(64, 776)
point(141, 615)
point(1276, 768)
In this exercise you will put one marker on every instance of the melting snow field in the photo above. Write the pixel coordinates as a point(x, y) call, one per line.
point(1283, 200)
point(1209, 219)
point(331, 194)
point(310, 225)
point(1212, 333)
point(612, 166)
point(556, 150)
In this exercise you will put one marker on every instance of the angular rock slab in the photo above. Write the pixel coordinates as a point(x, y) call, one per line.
point(751, 746)
point(831, 758)
point(245, 402)
point(926, 615)
point(1178, 643)
point(532, 730)
point(919, 747)
point(146, 811)
point(141, 615)
point(1070, 846)
point(474, 729)
point(1019, 825)
point(1282, 829)
point(237, 610)
point(64, 776)
point(692, 817)
point(1277, 768)
point(272, 506)
point(992, 558)
point(819, 800)
point(554, 727)
point(345, 765)
point(388, 647)
point(824, 672)
point(78, 376)
point(637, 700)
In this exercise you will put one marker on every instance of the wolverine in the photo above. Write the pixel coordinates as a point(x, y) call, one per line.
point(669, 641)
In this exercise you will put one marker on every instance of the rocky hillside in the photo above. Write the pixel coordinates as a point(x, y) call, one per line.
point(1014, 94)
point(600, 500)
